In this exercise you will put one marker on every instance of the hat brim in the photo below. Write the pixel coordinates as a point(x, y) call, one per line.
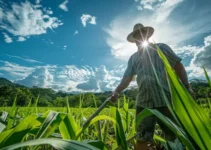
point(150, 32)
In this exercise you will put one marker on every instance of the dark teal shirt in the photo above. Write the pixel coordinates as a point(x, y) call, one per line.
point(140, 63)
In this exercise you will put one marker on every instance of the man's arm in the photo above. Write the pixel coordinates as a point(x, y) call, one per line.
point(123, 85)
point(180, 71)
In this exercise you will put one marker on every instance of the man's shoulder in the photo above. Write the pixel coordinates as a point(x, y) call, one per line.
point(162, 45)
point(134, 54)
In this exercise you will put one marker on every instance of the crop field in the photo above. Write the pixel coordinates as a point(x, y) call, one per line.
point(33, 127)
point(86, 111)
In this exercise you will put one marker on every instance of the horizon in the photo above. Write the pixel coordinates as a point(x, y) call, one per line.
point(79, 46)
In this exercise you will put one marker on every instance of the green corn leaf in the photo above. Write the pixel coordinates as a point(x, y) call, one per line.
point(158, 138)
point(207, 77)
point(68, 107)
point(194, 119)
point(52, 121)
point(3, 116)
point(97, 124)
point(56, 143)
point(28, 107)
point(68, 128)
point(126, 110)
point(105, 130)
point(36, 103)
point(172, 126)
point(2, 127)
point(95, 119)
point(16, 134)
point(12, 113)
point(96, 143)
point(120, 134)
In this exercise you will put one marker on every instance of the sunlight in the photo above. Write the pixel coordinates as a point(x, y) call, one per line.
point(145, 44)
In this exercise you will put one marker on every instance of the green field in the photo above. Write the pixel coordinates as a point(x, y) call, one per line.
point(33, 127)
point(86, 111)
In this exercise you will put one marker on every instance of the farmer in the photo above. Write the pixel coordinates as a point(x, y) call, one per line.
point(149, 92)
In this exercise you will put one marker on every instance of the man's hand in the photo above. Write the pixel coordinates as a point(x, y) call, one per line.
point(123, 85)
point(114, 97)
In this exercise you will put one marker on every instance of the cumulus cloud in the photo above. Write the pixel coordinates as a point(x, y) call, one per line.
point(63, 5)
point(68, 78)
point(7, 39)
point(86, 18)
point(101, 80)
point(26, 19)
point(41, 77)
point(201, 56)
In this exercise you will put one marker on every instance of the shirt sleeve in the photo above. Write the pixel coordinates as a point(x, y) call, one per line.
point(170, 55)
point(130, 71)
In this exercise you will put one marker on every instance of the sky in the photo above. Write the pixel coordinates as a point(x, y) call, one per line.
point(81, 46)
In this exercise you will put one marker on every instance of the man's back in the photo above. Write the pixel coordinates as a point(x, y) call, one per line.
point(145, 63)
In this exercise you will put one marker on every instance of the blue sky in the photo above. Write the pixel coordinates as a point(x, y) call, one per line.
point(76, 45)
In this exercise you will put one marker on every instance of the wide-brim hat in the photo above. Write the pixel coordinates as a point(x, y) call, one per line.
point(138, 28)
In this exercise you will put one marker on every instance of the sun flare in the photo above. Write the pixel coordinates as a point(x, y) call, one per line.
point(145, 44)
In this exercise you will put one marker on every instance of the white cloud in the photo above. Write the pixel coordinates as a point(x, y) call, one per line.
point(187, 51)
point(88, 18)
point(76, 32)
point(200, 56)
point(7, 39)
point(69, 78)
point(148, 4)
point(203, 56)
point(15, 70)
point(172, 31)
point(66, 78)
point(165, 9)
point(37, 1)
point(1, 13)
point(64, 47)
point(48, 10)
point(24, 59)
point(117, 31)
point(21, 39)
point(63, 5)
point(41, 77)
point(26, 19)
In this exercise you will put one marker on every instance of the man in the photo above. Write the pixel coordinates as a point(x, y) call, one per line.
point(149, 94)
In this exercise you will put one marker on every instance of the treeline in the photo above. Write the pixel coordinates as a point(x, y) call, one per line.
point(50, 98)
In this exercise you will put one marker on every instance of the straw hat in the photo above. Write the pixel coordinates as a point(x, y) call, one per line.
point(137, 28)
